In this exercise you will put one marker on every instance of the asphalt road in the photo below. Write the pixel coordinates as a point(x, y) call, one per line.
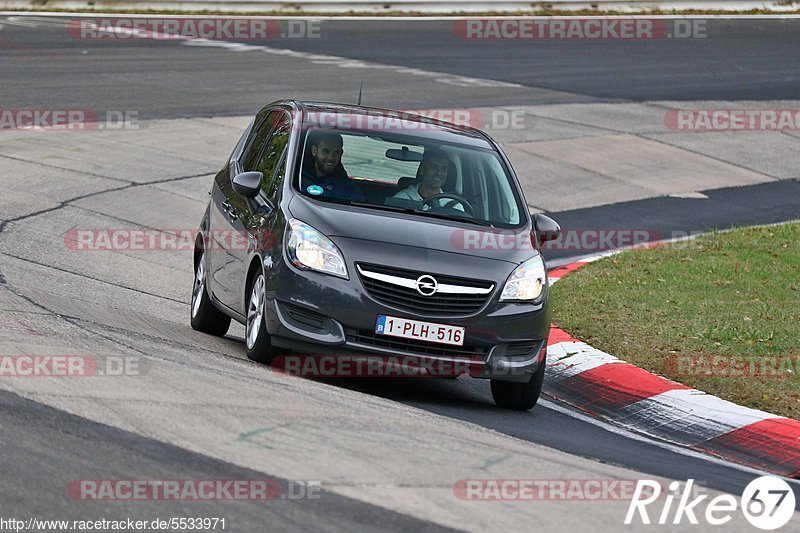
point(43, 67)
point(667, 217)
point(736, 60)
point(45, 449)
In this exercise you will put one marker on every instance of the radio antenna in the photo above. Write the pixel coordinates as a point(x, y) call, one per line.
point(361, 88)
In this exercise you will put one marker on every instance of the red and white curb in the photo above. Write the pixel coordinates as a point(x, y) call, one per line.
point(604, 386)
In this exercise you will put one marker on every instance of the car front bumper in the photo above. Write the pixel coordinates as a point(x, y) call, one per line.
point(313, 314)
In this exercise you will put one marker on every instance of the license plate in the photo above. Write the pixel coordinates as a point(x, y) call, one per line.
point(424, 331)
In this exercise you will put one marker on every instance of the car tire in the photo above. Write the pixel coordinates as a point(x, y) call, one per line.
point(204, 316)
point(256, 337)
point(520, 396)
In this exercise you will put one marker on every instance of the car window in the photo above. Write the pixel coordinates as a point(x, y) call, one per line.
point(365, 159)
point(388, 170)
point(254, 159)
point(267, 148)
point(252, 154)
point(274, 147)
point(234, 165)
point(507, 209)
point(271, 191)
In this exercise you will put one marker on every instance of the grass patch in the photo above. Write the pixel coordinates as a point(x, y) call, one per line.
point(720, 313)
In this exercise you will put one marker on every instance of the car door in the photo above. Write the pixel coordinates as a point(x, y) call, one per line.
point(216, 257)
point(248, 217)
point(222, 238)
point(269, 229)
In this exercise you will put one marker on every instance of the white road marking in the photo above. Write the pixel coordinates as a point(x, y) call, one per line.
point(20, 21)
point(567, 359)
point(35, 22)
point(349, 63)
point(320, 59)
point(689, 195)
point(547, 404)
point(688, 416)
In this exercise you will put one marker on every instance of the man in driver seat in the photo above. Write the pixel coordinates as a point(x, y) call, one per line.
point(433, 174)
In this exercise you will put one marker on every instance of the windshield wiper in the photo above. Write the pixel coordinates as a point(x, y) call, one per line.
point(381, 206)
point(411, 210)
point(434, 214)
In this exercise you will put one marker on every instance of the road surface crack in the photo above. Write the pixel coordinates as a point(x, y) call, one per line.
point(86, 276)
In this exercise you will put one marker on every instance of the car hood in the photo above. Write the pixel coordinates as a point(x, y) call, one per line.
point(337, 220)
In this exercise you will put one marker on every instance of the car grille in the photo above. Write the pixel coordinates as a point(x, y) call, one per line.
point(412, 346)
point(466, 296)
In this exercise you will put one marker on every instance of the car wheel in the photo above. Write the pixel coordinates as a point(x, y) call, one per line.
point(256, 336)
point(204, 316)
point(521, 396)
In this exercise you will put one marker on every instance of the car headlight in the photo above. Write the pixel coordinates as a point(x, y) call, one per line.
point(527, 282)
point(309, 249)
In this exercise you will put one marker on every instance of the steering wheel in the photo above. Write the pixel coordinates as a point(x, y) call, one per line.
point(468, 209)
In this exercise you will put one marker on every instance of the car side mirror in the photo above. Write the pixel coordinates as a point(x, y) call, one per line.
point(546, 228)
point(248, 184)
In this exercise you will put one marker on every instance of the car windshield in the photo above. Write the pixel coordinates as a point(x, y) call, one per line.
point(412, 174)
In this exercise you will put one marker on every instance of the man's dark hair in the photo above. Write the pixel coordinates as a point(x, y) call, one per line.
point(435, 153)
point(316, 137)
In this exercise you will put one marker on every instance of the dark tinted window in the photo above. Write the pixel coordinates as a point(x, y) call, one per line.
point(268, 144)
point(258, 139)
point(272, 189)
point(270, 156)
point(266, 150)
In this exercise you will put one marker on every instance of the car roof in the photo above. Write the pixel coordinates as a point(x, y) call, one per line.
point(346, 117)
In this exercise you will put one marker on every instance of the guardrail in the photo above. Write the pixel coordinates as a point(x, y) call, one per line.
point(432, 7)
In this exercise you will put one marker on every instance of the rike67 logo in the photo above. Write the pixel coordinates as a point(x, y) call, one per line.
point(767, 502)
